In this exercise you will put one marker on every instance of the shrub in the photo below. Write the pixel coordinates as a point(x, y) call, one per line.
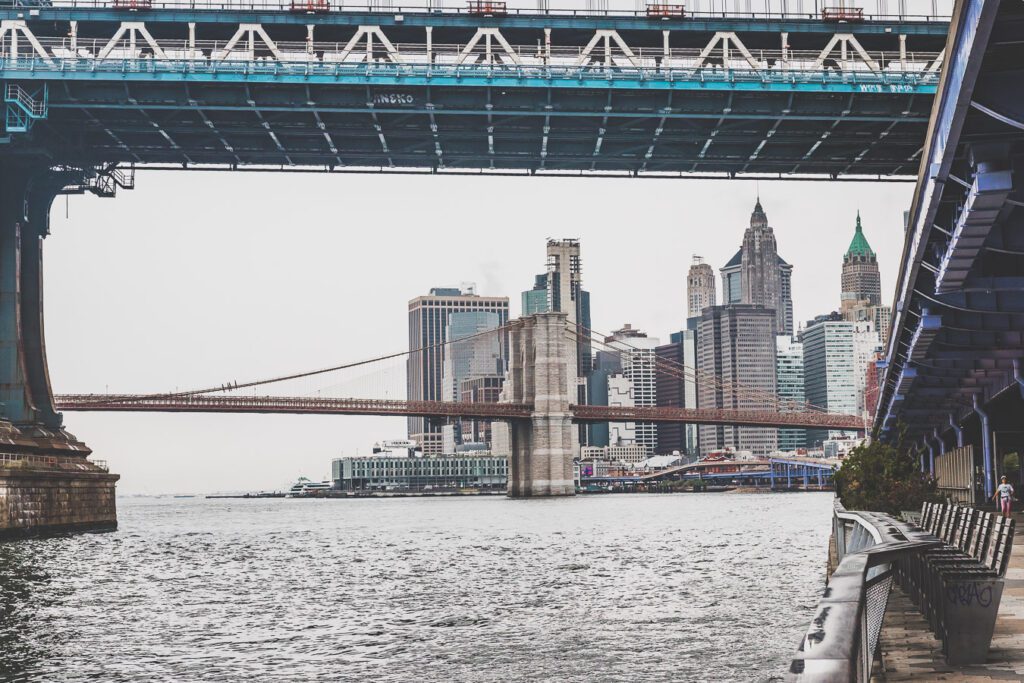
point(884, 478)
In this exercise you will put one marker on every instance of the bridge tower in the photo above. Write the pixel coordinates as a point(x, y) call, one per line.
point(540, 449)
point(46, 483)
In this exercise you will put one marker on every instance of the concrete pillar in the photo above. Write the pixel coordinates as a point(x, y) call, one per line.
point(542, 448)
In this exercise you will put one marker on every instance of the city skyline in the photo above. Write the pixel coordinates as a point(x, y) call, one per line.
point(277, 305)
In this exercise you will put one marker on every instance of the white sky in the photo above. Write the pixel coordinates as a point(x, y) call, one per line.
point(196, 279)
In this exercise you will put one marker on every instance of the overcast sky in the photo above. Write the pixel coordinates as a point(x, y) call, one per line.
point(195, 279)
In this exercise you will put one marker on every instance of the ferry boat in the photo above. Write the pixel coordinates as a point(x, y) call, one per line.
point(305, 487)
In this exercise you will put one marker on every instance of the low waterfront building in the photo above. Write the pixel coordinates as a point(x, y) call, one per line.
point(630, 454)
point(396, 473)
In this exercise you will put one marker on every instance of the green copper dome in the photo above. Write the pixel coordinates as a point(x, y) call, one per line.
point(859, 245)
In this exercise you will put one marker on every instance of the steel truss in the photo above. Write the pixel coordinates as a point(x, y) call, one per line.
point(234, 88)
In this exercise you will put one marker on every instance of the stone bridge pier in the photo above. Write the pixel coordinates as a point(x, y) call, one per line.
point(47, 484)
point(541, 449)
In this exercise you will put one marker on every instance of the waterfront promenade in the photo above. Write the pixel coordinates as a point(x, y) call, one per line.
point(910, 652)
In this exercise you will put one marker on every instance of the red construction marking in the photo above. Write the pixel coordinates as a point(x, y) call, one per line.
point(488, 7)
point(843, 14)
point(665, 11)
point(133, 4)
point(311, 6)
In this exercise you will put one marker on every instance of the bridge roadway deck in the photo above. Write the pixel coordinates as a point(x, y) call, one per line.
point(910, 652)
point(441, 409)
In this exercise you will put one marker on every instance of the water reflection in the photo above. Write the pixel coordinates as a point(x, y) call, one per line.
point(24, 591)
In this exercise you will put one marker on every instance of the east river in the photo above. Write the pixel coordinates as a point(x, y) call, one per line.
point(683, 587)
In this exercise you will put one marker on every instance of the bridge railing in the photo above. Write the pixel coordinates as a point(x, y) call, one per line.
point(908, 11)
point(445, 55)
point(842, 639)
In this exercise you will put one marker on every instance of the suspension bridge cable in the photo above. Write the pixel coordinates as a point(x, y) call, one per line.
point(299, 375)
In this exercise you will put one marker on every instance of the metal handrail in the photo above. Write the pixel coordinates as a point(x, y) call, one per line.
point(442, 55)
point(436, 8)
point(50, 461)
point(842, 639)
point(15, 93)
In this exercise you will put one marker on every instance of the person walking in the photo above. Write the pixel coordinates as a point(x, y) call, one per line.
point(1005, 494)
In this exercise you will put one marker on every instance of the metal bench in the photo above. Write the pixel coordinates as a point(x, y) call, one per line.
point(958, 586)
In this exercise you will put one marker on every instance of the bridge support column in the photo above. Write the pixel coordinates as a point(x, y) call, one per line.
point(46, 482)
point(541, 449)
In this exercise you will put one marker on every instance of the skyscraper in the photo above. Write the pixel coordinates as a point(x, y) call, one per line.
point(760, 265)
point(606, 364)
point(736, 347)
point(638, 377)
point(757, 275)
point(473, 368)
point(561, 289)
point(789, 368)
point(700, 287)
point(428, 330)
point(861, 280)
point(678, 390)
point(861, 286)
point(831, 372)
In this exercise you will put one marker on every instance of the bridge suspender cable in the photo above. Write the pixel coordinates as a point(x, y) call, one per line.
point(299, 375)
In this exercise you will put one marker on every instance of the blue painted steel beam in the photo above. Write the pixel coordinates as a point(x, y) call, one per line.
point(732, 116)
point(287, 73)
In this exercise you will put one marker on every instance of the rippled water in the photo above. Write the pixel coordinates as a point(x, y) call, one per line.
point(686, 587)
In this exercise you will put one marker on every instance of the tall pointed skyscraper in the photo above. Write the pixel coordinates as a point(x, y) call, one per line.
point(758, 275)
point(759, 264)
point(860, 297)
point(861, 281)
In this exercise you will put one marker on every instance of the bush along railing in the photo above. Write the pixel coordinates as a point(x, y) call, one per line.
point(842, 640)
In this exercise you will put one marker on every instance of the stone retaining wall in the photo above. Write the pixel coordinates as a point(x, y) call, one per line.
point(40, 501)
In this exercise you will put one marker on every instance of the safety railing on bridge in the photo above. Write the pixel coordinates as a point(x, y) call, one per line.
point(50, 462)
point(790, 10)
point(842, 640)
point(77, 54)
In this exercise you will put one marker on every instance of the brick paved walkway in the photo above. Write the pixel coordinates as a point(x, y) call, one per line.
point(911, 653)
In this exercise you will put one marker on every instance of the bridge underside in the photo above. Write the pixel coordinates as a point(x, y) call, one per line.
point(486, 127)
point(958, 334)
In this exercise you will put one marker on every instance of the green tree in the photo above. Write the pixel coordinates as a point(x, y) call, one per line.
point(884, 478)
point(1011, 464)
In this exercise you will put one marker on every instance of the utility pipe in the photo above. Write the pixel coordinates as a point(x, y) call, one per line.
point(957, 430)
point(986, 448)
